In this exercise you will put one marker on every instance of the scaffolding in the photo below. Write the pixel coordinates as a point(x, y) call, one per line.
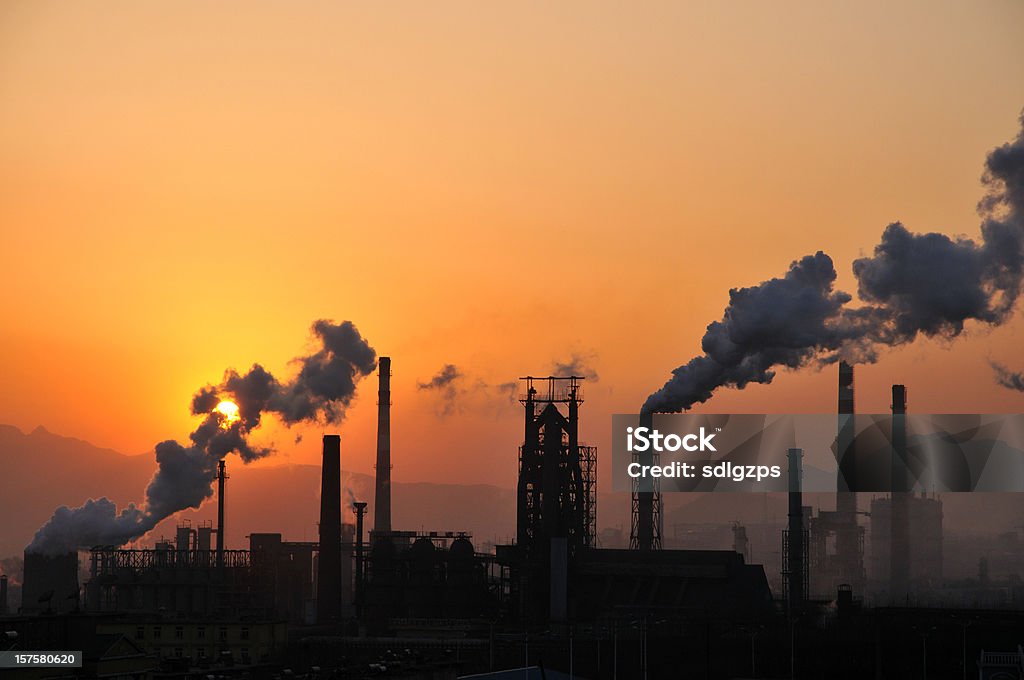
point(557, 475)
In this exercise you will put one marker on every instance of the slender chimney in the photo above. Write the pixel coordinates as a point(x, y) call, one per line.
point(645, 532)
point(795, 549)
point(382, 496)
point(3, 594)
point(328, 588)
point(899, 532)
point(222, 476)
point(360, 509)
point(850, 559)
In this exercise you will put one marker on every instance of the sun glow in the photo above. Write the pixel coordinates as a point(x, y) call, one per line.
point(229, 412)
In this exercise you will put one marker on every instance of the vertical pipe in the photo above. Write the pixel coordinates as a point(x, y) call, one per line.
point(643, 501)
point(382, 496)
point(328, 593)
point(221, 477)
point(848, 550)
point(3, 594)
point(899, 512)
point(360, 509)
point(795, 554)
point(527, 459)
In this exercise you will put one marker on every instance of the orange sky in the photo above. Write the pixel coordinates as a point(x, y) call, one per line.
point(185, 188)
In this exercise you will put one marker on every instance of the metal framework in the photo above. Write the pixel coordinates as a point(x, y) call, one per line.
point(108, 560)
point(645, 511)
point(181, 581)
point(557, 475)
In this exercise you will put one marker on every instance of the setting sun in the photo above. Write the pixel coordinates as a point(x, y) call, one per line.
point(229, 411)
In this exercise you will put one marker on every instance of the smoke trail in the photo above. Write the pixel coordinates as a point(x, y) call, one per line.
point(578, 365)
point(321, 391)
point(913, 284)
point(1007, 378)
point(445, 385)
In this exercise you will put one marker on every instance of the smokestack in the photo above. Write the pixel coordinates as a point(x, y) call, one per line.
point(845, 388)
point(645, 532)
point(899, 534)
point(848, 546)
point(328, 589)
point(382, 496)
point(795, 550)
point(844, 438)
point(3, 594)
point(222, 476)
point(360, 509)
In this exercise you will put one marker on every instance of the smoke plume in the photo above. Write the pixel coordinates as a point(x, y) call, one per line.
point(320, 392)
point(445, 385)
point(1007, 378)
point(913, 284)
point(578, 365)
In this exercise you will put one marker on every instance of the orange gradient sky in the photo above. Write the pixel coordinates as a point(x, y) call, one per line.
point(185, 187)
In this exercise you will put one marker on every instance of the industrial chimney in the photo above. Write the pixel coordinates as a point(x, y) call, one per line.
point(3, 594)
point(849, 555)
point(899, 532)
point(222, 477)
point(382, 496)
point(328, 583)
point(645, 530)
point(796, 549)
point(360, 510)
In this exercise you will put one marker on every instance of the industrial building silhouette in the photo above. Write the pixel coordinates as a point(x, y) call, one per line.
point(554, 598)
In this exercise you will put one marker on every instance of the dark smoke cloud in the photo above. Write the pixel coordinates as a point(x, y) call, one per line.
point(1007, 378)
point(327, 379)
point(912, 284)
point(321, 391)
point(781, 322)
point(578, 365)
point(445, 385)
point(932, 284)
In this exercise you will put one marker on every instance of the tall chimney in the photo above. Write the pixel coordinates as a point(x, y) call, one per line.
point(3, 594)
point(899, 532)
point(796, 577)
point(645, 529)
point(328, 588)
point(222, 476)
point(360, 509)
point(382, 496)
point(848, 548)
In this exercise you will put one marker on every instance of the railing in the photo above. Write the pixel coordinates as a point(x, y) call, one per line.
point(107, 560)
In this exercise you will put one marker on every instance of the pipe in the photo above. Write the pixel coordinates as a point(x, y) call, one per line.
point(328, 589)
point(849, 554)
point(360, 509)
point(382, 495)
point(795, 552)
point(221, 478)
point(899, 511)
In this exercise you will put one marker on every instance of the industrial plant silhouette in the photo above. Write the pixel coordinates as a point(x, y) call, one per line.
point(387, 602)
